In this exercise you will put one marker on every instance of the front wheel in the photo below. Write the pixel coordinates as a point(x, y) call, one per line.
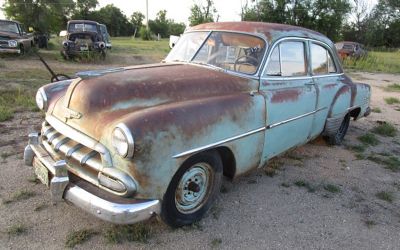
point(192, 190)
point(337, 138)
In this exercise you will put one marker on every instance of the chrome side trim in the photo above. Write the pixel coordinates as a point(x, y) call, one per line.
point(82, 139)
point(294, 118)
point(196, 150)
point(299, 78)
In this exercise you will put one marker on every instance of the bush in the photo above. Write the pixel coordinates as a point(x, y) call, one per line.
point(145, 34)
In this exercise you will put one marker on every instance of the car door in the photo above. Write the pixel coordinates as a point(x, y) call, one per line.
point(327, 81)
point(290, 97)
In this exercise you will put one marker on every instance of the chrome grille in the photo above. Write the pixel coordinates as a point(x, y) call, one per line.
point(81, 160)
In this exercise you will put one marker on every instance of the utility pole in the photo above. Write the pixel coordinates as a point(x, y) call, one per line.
point(147, 14)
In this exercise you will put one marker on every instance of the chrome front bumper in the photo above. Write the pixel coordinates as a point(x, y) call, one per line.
point(11, 51)
point(62, 188)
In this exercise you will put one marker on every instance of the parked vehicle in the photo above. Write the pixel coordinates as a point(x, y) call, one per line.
point(13, 38)
point(351, 49)
point(83, 37)
point(128, 143)
point(106, 36)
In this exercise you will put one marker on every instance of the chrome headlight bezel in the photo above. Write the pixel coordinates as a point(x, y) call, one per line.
point(41, 99)
point(12, 43)
point(122, 141)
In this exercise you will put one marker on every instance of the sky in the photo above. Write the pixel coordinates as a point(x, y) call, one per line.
point(179, 10)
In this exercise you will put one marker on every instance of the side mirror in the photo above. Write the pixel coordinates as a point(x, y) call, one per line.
point(63, 33)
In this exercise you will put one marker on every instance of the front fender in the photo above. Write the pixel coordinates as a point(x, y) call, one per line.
point(165, 131)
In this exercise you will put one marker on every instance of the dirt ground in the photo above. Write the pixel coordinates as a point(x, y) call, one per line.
point(321, 196)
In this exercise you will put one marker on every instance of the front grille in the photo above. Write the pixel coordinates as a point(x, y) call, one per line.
point(81, 160)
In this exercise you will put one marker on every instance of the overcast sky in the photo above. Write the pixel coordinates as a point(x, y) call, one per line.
point(179, 10)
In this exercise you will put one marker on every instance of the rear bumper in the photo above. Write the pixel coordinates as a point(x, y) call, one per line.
point(61, 188)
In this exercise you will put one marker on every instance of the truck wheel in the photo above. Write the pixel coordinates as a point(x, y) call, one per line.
point(22, 50)
point(337, 138)
point(192, 189)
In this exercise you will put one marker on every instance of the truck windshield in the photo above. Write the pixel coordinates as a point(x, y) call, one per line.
point(9, 27)
point(79, 27)
point(231, 51)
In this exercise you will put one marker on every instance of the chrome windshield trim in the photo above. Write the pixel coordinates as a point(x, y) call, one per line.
point(286, 78)
point(82, 139)
point(294, 118)
point(213, 145)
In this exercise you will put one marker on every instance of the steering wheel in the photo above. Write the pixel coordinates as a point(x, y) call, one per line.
point(245, 60)
point(59, 77)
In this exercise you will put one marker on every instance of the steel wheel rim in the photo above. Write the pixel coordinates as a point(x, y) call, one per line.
point(194, 188)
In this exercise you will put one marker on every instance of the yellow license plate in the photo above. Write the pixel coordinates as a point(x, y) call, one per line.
point(42, 173)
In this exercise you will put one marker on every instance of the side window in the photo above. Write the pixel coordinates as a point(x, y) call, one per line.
point(321, 60)
point(287, 59)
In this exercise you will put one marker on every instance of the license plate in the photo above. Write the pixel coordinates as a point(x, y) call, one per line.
point(42, 173)
point(84, 48)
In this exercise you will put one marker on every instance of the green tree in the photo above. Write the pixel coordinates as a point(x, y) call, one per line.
point(324, 16)
point(165, 27)
point(202, 13)
point(137, 21)
point(117, 23)
point(84, 9)
point(43, 15)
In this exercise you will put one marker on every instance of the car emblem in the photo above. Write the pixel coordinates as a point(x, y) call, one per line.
point(72, 114)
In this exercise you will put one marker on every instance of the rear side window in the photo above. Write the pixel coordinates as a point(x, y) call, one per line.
point(321, 60)
point(287, 59)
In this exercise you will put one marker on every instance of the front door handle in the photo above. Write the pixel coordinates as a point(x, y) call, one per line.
point(309, 84)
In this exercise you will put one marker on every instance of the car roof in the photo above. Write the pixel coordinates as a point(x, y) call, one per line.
point(83, 21)
point(271, 31)
point(3, 20)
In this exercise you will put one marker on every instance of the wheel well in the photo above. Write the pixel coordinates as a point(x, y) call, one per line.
point(355, 112)
point(228, 161)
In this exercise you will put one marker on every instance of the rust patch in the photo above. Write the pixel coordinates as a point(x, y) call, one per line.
point(287, 95)
point(330, 86)
point(347, 80)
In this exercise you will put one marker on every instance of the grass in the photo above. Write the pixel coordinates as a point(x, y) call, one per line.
point(392, 163)
point(370, 223)
point(120, 233)
point(388, 62)
point(392, 100)
point(16, 229)
point(78, 237)
point(359, 148)
point(215, 243)
point(385, 129)
point(385, 196)
point(369, 139)
point(40, 207)
point(376, 110)
point(15, 99)
point(302, 183)
point(19, 196)
point(332, 188)
point(393, 87)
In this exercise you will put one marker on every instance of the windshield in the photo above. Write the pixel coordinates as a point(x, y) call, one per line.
point(9, 27)
point(227, 50)
point(79, 27)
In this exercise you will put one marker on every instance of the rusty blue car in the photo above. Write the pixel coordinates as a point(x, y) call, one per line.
point(129, 143)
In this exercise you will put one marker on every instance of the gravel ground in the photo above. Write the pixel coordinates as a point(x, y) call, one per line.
point(320, 197)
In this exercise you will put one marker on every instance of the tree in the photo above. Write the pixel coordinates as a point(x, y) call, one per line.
point(137, 21)
point(324, 16)
point(165, 27)
point(116, 22)
point(202, 14)
point(84, 8)
point(43, 15)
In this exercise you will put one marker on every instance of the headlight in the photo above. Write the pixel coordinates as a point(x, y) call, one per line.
point(12, 43)
point(41, 99)
point(122, 141)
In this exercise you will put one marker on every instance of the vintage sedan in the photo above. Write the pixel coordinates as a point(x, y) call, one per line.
point(13, 38)
point(128, 143)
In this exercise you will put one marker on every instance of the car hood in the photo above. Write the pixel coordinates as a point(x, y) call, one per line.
point(93, 104)
point(8, 35)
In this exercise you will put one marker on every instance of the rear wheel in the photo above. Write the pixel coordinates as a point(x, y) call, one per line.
point(337, 138)
point(192, 189)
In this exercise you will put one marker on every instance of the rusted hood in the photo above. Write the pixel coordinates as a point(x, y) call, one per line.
point(100, 101)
